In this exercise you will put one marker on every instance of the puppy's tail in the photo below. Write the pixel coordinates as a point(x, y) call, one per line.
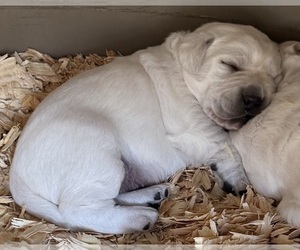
point(289, 209)
point(34, 203)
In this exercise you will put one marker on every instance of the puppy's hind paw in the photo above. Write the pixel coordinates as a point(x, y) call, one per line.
point(152, 196)
point(214, 167)
point(162, 192)
point(138, 219)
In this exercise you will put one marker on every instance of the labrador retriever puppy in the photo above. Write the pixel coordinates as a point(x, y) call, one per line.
point(270, 143)
point(93, 153)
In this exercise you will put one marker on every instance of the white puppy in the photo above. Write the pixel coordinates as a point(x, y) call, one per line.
point(270, 143)
point(138, 120)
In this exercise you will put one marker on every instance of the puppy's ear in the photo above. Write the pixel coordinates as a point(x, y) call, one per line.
point(290, 48)
point(296, 48)
point(190, 48)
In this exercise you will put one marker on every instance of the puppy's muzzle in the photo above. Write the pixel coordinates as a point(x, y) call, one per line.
point(253, 99)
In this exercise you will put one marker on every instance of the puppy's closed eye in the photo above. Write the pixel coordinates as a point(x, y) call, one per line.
point(232, 66)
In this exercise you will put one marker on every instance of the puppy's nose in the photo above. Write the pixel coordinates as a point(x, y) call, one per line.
point(252, 98)
point(251, 103)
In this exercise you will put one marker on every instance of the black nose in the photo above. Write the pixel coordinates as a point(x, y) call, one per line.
point(252, 103)
point(252, 98)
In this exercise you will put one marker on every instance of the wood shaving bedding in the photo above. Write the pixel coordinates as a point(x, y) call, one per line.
point(197, 211)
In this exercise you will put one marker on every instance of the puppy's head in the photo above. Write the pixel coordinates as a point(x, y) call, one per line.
point(232, 70)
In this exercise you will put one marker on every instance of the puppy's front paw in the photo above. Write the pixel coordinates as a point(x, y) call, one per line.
point(231, 180)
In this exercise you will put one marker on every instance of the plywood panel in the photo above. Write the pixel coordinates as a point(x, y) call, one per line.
point(68, 30)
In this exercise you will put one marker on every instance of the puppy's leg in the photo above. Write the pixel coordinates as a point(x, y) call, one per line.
point(108, 217)
point(78, 191)
point(145, 196)
point(228, 170)
point(88, 206)
point(92, 206)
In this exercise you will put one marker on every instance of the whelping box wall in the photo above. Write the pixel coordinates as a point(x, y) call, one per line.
point(64, 30)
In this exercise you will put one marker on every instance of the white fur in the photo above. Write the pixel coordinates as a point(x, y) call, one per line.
point(136, 121)
point(269, 144)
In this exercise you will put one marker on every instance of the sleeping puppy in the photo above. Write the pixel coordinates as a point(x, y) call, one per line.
point(270, 143)
point(91, 152)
